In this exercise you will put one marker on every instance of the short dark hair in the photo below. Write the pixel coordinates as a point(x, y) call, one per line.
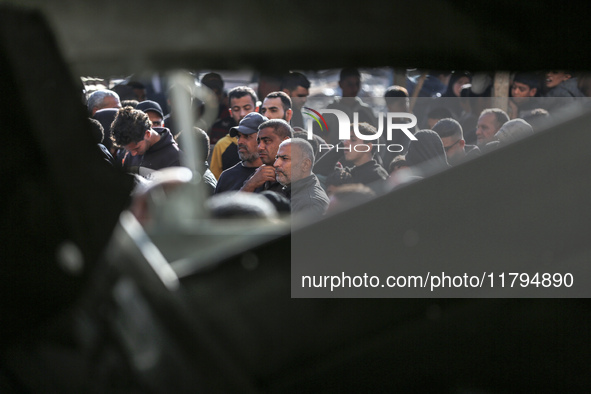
point(130, 125)
point(532, 80)
point(285, 100)
point(448, 127)
point(294, 79)
point(396, 91)
point(349, 72)
point(98, 132)
point(280, 127)
point(213, 81)
point(241, 91)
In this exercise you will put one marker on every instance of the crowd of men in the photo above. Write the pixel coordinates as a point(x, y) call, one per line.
point(265, 149)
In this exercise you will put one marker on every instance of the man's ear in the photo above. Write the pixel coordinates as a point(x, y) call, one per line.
point(288, 115)
point(533, 92)
point(147, 135)
point(306, 165)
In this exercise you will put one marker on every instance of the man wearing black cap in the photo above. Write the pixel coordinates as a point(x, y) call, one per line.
point(153, 110)
point(246, 133)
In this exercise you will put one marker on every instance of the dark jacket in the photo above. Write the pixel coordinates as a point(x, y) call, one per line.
point(307, 196)
point(234, 177)
point(370, 174)
point(164, 153)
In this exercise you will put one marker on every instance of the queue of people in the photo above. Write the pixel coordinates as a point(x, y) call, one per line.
point(286, 152)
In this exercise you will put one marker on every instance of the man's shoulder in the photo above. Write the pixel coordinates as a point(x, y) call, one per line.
point(225, 141)
point(309, 196)
point(234, 177)
point(239, 168)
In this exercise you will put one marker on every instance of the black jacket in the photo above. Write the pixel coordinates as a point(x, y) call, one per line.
point(307, 196)
point(370, 174)
point(164, 153)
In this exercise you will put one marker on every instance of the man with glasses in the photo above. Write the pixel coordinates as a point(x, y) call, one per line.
point(452, 136)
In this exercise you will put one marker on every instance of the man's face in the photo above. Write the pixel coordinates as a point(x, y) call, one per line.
point(554, 78)
point(454, 149)
point(138, 148)
point(486, 129)
point(359, 149)
point(240, 107)
point(273, 109)
point(298, 96)
point(247, 147)
point(521, 91)
point(155, 119)
point(350, 86)
point(282, 165)
point(268, 144)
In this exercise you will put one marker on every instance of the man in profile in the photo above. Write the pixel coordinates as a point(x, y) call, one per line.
point(271, 134)
point(489, 122)
point(293, 168)
point(146, 150)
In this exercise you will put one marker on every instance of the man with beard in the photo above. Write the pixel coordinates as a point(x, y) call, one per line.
point(271, 134)
point(246, 133)
point(293, 167)
point(277, 105)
